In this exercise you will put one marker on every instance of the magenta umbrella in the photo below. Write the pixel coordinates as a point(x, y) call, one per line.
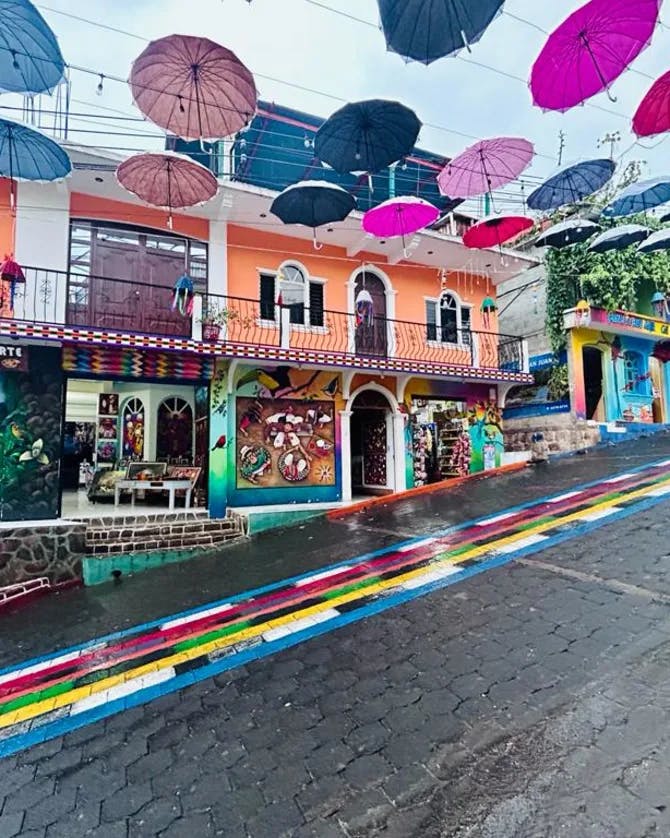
point(590, 50)
point(484, 166)
point(193, 88)
point(653, 113)
point(495, 230)
point(399, 217)
point(167, 180)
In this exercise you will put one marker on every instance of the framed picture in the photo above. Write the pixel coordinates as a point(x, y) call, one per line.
point(103, 482)
point(108, 404)
point(146, 471)
point(191, 473)
point(106, 451)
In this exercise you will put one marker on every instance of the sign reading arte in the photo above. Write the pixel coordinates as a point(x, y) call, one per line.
point(13, 358)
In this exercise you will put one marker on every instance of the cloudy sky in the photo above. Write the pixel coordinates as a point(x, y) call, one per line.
point(312, 58)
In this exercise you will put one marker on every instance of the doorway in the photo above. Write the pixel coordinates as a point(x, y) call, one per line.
point(657, 405)
point(371, 336)
point(372, 457)
point(592, 360)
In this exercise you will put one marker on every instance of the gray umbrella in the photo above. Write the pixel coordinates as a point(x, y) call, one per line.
point(660, 240)
point(619, 238)
point(573, 231)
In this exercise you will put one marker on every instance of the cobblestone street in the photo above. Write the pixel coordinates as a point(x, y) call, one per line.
point(529, 700)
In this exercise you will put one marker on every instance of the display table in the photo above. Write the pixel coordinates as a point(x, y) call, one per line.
point(171, 486)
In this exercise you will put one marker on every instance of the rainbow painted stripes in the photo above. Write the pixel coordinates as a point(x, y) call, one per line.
point(50, 696)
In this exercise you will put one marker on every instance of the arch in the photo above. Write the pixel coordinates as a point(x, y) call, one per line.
point(174, 429)
point(378, 272)
point(133, 421)
point(382, 339)
point(372, 385)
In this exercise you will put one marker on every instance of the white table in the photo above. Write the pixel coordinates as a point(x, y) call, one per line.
point(171, 486)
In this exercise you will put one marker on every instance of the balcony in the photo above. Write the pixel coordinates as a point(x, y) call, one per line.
point(247, 328)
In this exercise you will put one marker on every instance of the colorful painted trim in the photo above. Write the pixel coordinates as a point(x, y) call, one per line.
point(133, 363)
point(53, 695)
point(71, 334)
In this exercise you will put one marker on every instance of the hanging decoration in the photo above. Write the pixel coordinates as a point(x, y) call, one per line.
point(485, 166)
point(639, 197)
point(365, 315)
point(399, 217)
point(488, 309)
point(182, 300)
point(11, 272)
point(653, 113)
point(30, 58)
point(571, 184)
point(495, 230)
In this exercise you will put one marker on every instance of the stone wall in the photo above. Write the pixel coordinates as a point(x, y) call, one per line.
point(54, 551)
point(562, 433)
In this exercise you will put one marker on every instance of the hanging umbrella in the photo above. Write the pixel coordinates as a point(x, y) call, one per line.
point(313, 203)
point(567, 233)
point(167, 180)
point(399, 217)
point(590, 50)
point(424, 30)
point(30, 58)
point(27, 154)
point(367, 136)
point(495, 230)
point(572, 183)
point(653, 113)
point(193, 88)
point(619, 238)
point(639, 197)
point(484, 166)
point(660, 240)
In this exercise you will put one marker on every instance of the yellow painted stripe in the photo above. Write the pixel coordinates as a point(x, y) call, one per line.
point(39, 708)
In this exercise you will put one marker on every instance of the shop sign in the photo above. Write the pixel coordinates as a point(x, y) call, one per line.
point(13, 358)
point(642, 324)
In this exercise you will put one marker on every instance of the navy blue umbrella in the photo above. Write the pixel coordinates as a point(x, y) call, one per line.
point(367, 136)
point(619, 238)
point(313, 203)
point(30, 58)
point(572, 183)
point(639, 197)
point(567, 233)
point(425, 30)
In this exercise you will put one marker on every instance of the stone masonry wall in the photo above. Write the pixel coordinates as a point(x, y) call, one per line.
point(52, 551)
point(562, 433)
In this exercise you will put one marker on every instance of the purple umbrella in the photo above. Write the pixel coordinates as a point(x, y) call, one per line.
point(486, 165)
point(399, 217)
point(590, 50)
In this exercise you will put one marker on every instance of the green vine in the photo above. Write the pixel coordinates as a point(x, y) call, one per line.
point(558, 385)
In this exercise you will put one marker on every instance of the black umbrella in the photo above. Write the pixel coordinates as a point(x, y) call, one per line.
point(619, 238)
point(426, 30)
point(573, 231)
point(313, 203)
point(367, 136)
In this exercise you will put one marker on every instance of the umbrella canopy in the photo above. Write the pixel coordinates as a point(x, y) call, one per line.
point(660, 240)
point(193, 88)
point(313, 203)
point(27, 154)
point(590, 49)
point(167, 180)
point(486, 165)
point(424, 30)
point(30, 58)
point(367, 136)
point(619, 238)
point(639, 197)
point(567, 233)
point(399, 217)
point(653, 113)
point(572, 183)
point(495, 230)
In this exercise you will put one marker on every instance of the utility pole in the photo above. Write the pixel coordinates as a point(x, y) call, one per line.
point(612, 139)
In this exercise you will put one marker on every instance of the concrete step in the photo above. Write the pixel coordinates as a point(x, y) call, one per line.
point(171, 543)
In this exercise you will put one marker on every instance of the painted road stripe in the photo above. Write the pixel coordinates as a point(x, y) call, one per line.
point(416, 545)
point(122, 690)
point(662, 490)
point(318, 577)
point(600, 513)
point(619, 478)
point(200, 615)
point(566, 496)
point(37, 667)
point(488, 521)
point(521, 544)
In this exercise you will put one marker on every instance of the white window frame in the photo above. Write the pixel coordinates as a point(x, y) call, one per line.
point(317, 280)
point(460, 305)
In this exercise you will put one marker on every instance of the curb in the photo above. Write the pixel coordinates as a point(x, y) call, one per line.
point(443, 485)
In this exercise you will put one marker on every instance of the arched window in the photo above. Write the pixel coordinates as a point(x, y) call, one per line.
point(291, 287)
point(133, 430)
point(636, 379)
point(447, 319)
point(174, 434)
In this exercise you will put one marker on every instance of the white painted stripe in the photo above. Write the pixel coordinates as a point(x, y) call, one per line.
point(38, 667)
point(659, 491)
point(566, 496)
point(663, 463)
point(427, 578)
point(276, 633)
point(600, 513)
point(122, 690)
point(620, 478)
point(423, 543)
point(496, 519)
point(520, 544)
point(300, 624)
point(323, 575)
point(192, 618)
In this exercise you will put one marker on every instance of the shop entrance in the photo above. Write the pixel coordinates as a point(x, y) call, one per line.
point(440, 440)
point(372, 457)
point(658, 404)
point(592, 360)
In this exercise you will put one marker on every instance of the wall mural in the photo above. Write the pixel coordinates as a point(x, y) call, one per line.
point(31, 404)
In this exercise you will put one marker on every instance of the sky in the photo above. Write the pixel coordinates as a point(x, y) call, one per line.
point(308, 57)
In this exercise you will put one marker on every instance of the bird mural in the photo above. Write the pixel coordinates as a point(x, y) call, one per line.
point(332, 388)
point(275, 383)
point(220, 443)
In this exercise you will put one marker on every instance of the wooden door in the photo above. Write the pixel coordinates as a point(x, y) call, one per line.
point(372, 338)
point(375, 443)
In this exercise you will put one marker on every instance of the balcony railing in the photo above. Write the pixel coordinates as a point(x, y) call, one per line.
point(121, 305)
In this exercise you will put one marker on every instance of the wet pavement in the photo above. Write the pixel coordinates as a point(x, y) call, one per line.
point(529, 700)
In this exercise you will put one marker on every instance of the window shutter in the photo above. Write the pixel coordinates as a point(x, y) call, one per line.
point(315, 304)
point(431, 320)
point(466, 325)
point(267, 300)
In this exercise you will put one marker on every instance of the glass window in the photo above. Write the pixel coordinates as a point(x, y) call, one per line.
point(292, 291)
point(636, 380)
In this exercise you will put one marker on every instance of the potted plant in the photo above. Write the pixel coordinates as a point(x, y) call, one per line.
point(214, 322)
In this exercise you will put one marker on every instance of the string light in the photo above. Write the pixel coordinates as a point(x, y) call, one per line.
point(99, 89)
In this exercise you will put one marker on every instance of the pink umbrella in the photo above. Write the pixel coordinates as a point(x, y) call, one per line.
point(167, 180)
point(399, 217)
point(590, 50)
point(486, 165)
point(495, 230)
point(653, 113)
point(193, 87)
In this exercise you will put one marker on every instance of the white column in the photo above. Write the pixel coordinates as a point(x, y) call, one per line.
point(217, 267)
point(400, 479)
point(525, 365)
point(196, 318)
point(345, 447)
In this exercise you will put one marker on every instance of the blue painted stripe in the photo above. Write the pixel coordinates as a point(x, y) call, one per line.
point(68, 724)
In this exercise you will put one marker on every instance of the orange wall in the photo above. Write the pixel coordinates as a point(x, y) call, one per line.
point(249, 250)
point(103, 209)
point(6, 220)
